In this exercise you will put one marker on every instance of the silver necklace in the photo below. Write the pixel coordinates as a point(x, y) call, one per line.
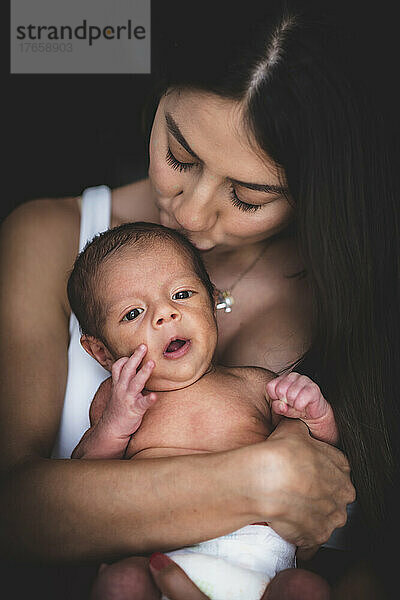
point(225, 300)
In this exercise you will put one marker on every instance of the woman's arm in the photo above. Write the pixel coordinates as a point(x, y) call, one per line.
point(81, 510)
point(67, 510)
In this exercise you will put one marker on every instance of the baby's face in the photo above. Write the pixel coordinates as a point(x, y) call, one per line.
point(153, 296)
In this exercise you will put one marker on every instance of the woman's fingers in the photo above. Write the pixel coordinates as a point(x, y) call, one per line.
point(308, 488)
point(172, 580)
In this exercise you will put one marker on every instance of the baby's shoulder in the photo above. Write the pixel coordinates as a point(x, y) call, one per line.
point(250, 383)
point(253, 375)
point(249, 380)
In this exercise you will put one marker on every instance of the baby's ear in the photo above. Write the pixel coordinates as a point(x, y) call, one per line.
point(98, 351)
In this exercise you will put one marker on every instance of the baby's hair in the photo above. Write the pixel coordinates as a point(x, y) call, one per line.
point(85, 276)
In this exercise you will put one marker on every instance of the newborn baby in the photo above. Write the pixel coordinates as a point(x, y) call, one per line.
point(146, 308)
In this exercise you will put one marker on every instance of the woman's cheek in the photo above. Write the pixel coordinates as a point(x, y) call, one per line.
point(164, 180)
point(269, 221)
point(165, 184)
point(159, 170)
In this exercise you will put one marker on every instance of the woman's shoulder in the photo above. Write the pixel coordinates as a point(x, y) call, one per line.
point(48, 227)
point(39, 241)
point(54, 223)
point(44, 217)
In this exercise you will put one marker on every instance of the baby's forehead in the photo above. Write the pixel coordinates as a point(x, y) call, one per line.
point(154, 251)
point(141, 260)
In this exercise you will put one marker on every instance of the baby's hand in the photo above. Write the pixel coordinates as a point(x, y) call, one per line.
point(298, 397)
point(118, 413)
point(124, 411)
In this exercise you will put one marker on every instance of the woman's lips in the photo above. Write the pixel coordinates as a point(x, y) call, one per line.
point(176, 348)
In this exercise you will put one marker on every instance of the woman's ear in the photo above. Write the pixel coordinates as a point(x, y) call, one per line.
point(98, 351)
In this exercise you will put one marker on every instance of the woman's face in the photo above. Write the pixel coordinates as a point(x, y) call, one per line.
point(209, 181)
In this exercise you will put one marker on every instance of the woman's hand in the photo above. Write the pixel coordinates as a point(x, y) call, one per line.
point(307, 486)
point(307, 483)
point(172, 580)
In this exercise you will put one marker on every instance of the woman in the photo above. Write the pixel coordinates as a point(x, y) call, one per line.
point(262, 155)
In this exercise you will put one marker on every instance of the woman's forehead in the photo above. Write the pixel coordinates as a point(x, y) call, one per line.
point(215, 129)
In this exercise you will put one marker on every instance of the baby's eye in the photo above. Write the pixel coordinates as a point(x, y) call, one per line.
point(132, 314)
point(182, 295)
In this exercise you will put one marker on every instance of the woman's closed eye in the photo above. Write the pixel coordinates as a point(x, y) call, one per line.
point(133, 314)
point(177, 164)
point(183, 295)
point(244, 206)
point(185, 166)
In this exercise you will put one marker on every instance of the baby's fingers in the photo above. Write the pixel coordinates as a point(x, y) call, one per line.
point(307, 396)
point(138, 380)
point(144, 402)
point(129, 368)
point(281, 408)
point(117, 368)
point(277, 388)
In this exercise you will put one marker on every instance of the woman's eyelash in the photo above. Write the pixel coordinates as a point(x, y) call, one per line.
point(177, 164)
point(182, 166)
point(243, 205)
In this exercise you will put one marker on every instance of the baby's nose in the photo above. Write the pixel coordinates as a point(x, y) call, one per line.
point(165, 316)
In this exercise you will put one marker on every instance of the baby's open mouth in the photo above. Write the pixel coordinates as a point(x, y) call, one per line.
point(176, 348)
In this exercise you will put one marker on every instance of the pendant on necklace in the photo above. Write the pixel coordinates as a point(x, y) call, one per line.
point(225, 301)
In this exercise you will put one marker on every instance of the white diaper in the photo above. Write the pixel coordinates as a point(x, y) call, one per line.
point(237, 566)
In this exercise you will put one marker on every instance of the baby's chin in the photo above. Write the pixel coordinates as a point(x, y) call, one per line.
point(162, 383)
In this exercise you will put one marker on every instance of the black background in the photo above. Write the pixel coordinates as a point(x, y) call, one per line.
point(63, 133)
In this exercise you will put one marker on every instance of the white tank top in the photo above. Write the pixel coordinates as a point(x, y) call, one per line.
point(84, 373)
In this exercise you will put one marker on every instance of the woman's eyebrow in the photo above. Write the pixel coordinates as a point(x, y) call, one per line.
point(261, 187)
point(176, 132)
point(258, 187)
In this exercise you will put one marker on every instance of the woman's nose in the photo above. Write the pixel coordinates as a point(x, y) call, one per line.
point(194, 209)
point(165, 314)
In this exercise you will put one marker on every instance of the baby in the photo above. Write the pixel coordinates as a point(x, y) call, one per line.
point(146, 309)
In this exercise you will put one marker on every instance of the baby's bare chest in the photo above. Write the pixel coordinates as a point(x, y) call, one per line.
point(202, 418)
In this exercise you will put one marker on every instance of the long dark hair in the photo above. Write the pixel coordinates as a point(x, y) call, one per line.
point(291, 72)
